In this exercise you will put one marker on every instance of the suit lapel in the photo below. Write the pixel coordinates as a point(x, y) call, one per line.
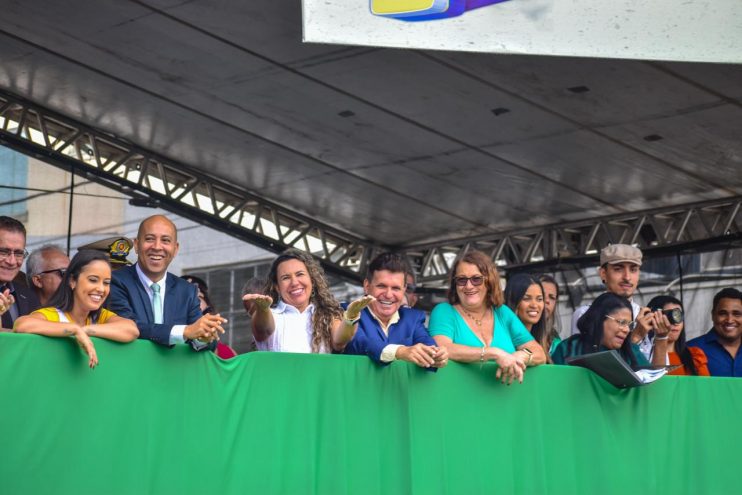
point(141, 293)
point(171, 296)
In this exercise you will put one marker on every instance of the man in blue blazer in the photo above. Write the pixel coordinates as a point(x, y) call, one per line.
point(164, 306)
point(387, 331)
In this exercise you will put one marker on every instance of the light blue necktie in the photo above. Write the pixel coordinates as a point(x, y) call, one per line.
point(156, 303)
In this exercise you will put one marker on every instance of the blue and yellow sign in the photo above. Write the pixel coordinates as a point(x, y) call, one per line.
point(425, 10)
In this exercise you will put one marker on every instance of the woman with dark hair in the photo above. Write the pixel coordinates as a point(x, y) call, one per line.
point(221, 350)
point(525, 296)
point(476, 326)
point(76, 308)
point(606, 325)
point(297, 312)
point(669, 340)
point(551, 298)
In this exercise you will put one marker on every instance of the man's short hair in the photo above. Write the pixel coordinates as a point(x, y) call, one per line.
point(392, 262)
point(10, 224)
point(727, 293)
point(35, 261)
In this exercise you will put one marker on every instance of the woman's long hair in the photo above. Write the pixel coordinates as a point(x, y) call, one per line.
point(515, 290)
point(487, 269)
point(326, 308)
point(64, 298)
point(552, 322)
point(591, 324)
point(681, 349)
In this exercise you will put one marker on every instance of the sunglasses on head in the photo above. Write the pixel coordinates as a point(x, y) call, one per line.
point(476, 280)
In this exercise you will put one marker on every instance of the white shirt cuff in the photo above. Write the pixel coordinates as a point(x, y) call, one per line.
point(389, 353)
point(176, 334)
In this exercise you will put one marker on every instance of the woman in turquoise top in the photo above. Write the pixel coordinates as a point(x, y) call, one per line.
point(524, 294)
point(475, 325)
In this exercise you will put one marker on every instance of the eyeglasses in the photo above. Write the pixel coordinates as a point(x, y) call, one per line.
point(630, 324)
point(60, 271)
point(476, 280)
point(18, 253)
point(410, 289)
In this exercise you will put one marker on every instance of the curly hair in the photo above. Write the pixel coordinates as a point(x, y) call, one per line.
point(326, 307)
point(487, 269)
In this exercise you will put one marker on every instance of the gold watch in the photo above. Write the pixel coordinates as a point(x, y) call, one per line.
point(530, 355)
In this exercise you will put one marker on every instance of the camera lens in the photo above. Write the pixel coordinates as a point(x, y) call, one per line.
point(675, 315)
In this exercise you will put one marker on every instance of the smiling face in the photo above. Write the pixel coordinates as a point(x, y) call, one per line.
point(727, 318)
point(674, 329)
point(531, 306)
point(294, 284)
point(10, 266)
point(156, 245)
point(472, 297)
point(615, 333)
point(620, 278)
point(92, 286)
point(389, 290)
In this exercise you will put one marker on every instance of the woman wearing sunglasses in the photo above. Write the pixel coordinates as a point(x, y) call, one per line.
point(669, 340)
point(76, 308)
point(605, 326)
point(476, 326)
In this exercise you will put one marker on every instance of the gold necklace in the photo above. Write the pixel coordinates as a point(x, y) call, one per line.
point(478, 321)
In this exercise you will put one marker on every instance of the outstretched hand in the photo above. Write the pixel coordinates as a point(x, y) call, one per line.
point(355, 308)
point(260, 300)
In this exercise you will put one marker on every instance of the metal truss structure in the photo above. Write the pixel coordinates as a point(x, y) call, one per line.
point(150, 178)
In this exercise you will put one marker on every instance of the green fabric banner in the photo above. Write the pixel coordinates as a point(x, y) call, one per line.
point(151, 420)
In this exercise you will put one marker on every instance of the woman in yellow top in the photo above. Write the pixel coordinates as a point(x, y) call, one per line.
point(75, 310)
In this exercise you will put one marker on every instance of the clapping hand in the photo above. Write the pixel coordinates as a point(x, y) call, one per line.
point(6, 301)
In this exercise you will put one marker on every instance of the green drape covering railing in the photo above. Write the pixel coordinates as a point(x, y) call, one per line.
point(151, 420)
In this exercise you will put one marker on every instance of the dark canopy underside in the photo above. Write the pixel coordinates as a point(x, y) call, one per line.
point(395, 147)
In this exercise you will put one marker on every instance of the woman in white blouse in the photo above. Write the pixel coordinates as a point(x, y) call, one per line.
point(297, 312)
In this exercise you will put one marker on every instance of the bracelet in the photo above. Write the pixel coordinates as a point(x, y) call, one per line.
point(481, 355)
point(661, 338)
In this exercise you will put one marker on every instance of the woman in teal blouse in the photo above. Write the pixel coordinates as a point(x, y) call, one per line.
point(476, 326)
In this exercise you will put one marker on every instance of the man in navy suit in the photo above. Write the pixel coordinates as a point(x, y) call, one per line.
point(15, 298)
point(386, 330)
point(164, 306)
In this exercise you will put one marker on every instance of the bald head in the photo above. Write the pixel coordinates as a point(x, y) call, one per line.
point(157, 218)
point(156, 246)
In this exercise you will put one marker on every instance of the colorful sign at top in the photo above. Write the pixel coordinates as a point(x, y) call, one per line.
point(425, 10)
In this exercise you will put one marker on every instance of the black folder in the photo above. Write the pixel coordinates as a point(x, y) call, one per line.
point(610, 366)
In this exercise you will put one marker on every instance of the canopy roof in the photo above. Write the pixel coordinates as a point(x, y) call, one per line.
point(400, 148)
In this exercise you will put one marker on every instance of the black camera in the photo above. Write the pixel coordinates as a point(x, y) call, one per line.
point(675, 315)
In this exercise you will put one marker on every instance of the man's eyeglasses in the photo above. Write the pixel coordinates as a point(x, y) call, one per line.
point(60, 271)
point(630, 324)
point(476, 280)
point(19, 254)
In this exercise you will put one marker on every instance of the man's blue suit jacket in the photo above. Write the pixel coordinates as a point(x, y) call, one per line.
point(370, 339)
point(129, 299)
